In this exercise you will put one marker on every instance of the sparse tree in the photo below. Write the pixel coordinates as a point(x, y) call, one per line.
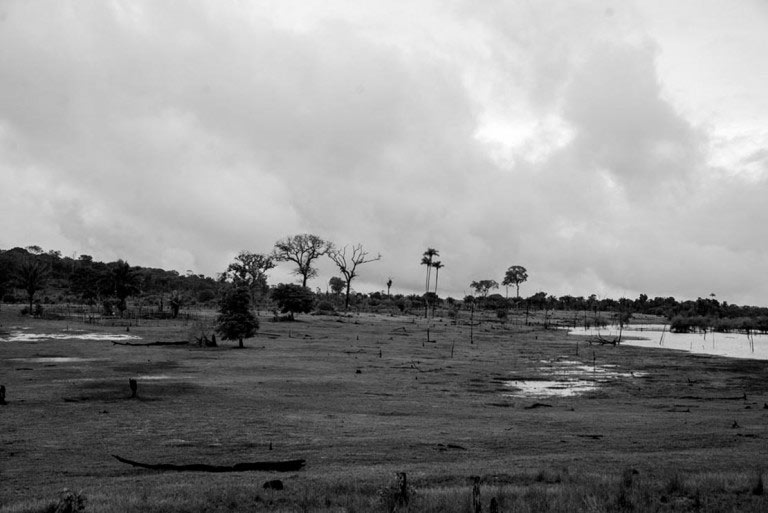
point(302, 250)
point(515, 275)
point(348, 264)
point(235, 320)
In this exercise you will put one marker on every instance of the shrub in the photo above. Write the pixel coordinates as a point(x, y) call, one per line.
point(292, 299)
point(325, 307)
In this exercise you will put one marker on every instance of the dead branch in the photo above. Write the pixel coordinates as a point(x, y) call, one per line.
point(260, 466)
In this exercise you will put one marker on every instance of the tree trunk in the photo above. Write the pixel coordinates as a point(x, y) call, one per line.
point(346, 299)
point(240, 341)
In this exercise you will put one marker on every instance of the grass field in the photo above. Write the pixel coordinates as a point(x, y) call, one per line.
point(364, 397)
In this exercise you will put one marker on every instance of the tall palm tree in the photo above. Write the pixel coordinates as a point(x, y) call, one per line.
point(437, 265)
point(426, 259)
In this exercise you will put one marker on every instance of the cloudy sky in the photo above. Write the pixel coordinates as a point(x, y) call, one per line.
point(613, 148)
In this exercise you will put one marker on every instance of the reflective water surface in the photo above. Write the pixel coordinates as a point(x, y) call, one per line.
point(733, 345)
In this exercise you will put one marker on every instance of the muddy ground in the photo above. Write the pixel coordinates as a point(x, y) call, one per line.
point(362, 397)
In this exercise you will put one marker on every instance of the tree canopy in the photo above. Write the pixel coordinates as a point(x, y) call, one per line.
point(302, 250)
point(293, 299)
point(235, 320)
point(515, 275)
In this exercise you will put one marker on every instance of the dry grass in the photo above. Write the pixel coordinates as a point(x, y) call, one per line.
point(363, 397)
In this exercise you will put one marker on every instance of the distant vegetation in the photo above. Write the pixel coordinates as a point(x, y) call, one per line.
point(36, 279)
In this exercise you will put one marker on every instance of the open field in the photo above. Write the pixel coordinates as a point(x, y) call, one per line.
point(363, 397)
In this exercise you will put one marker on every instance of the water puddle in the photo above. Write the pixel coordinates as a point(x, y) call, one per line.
point(732, 345)
point(18, 336)
point(566, 378)
point(55, 359)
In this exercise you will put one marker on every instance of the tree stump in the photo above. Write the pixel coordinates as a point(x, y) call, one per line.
point(477, 504)
point(274, 484)
point(402, 482)
point(134, 387)
point(2, 394)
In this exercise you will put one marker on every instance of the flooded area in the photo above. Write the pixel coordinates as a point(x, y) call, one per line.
point(732, 345)
point(21, 336)
point(567, 378)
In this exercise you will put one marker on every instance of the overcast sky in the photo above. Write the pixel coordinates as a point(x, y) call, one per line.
point(613, 148)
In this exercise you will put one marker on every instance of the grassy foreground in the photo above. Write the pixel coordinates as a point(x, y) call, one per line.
point(364, 397)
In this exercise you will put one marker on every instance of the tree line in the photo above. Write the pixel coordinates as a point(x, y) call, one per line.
point(37, 277)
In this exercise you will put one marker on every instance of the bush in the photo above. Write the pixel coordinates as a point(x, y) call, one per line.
point(292, 299)
point(325, 307)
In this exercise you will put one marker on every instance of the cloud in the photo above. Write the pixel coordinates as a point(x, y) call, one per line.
point(544, 135)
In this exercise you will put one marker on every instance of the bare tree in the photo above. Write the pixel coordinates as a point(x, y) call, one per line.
point(347, 264)
point(302, 250)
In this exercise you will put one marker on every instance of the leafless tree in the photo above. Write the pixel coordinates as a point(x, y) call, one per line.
point(302, 250)
point(347, 264)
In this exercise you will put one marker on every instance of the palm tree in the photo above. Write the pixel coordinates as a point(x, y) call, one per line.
point(437, 265)
point(32, 276)
point(426, 259)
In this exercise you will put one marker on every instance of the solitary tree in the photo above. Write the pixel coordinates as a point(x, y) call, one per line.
point(251, 269)
point(347, 264)
point(337, 285)
point(235, 320)
point(31, 276)
point(515, 275)
point(389, 286)
point(302, 250)
point(292, 298)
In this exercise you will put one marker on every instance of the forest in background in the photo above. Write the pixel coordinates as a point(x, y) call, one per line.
point(35, 278)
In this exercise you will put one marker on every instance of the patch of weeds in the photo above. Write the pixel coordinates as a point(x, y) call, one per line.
point(759, 488)
point(397, 494)
point(674, 485)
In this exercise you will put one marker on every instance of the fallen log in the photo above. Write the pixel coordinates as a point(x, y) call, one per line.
point(263, 466)
point(180, 343)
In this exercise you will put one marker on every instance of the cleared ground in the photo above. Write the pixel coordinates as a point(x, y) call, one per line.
point(366, 396)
